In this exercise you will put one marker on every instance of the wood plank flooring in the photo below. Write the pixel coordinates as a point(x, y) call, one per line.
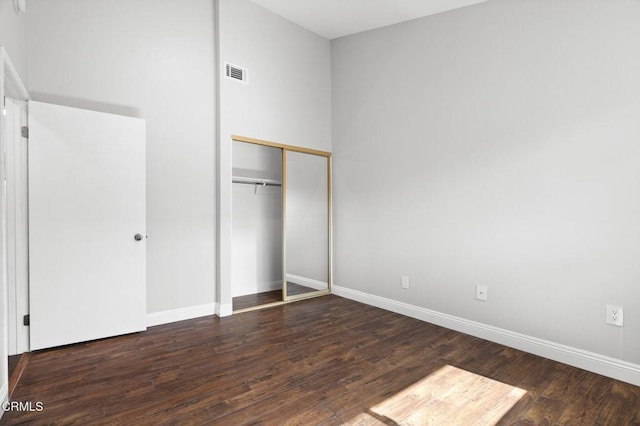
point(324, 361)
point(17, 365)
point(13, 363)
point(258, 299)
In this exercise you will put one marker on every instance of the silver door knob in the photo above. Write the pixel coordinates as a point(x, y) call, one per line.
point(137, 237)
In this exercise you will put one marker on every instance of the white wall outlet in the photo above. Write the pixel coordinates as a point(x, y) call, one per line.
point(405, 282)
point(615, 315)
point(481, 292)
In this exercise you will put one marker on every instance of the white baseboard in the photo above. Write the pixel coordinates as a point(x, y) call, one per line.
point(307, 282)
point(596, 363)
point(224, 310)
point(180, 314)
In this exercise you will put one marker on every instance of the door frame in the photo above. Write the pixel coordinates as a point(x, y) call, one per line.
point(17, 227)
point(11, 85)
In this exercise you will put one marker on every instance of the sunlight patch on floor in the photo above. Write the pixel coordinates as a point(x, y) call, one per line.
point(450, 396)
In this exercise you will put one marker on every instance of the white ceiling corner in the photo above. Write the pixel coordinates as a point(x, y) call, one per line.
point(337, 18)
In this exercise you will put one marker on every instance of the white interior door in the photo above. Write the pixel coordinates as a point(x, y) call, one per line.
point(87, 267)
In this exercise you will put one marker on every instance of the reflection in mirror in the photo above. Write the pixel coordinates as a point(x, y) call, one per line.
point(307, 223)
point(256, 253)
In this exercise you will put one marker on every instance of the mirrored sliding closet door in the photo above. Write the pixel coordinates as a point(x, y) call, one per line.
point(306, 224)
point(281, 223)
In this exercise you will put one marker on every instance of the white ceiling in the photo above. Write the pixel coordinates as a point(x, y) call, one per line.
point(336, 18)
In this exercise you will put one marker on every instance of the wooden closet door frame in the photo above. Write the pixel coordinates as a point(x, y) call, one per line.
point(327, 155)
point(316, 293)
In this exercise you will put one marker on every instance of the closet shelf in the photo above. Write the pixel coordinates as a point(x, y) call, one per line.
point(255, 181)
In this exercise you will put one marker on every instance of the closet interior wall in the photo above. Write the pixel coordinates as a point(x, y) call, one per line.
point(256, 220)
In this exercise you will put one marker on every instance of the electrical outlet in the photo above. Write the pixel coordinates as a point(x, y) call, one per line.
point(481, 292)
point(405, 282)
point(615, 315)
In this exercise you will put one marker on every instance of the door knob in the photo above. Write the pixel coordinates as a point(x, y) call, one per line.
point(137, 237)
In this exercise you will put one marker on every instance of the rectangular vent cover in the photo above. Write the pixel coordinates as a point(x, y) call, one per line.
point(235, 72)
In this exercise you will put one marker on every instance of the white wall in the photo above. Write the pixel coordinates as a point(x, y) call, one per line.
point(13, 36)
point(152, 59)
point(498, 145)
point(287, 100)
point(257, 239)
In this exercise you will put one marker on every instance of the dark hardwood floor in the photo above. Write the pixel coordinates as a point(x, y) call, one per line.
point(324, 361)
point(13, 363)
point(258, 299)
point(17, 365)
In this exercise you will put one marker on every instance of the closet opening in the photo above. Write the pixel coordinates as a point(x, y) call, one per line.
point(281, 224)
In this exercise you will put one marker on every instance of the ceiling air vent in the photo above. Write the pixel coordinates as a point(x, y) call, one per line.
point(235, 72)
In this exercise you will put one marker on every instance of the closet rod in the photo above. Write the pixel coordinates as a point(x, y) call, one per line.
point(251, 181)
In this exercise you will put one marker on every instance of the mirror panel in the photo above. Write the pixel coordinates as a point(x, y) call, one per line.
point(306, 223)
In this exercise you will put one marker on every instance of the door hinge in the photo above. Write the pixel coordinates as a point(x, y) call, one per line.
point(26, 320)
point(25, 132)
